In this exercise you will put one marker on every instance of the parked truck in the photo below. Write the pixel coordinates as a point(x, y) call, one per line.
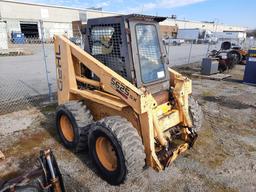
point(196, 35)
point(173, 41)
point(232, 36)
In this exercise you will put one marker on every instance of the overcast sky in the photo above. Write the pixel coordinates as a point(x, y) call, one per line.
point(234, 12)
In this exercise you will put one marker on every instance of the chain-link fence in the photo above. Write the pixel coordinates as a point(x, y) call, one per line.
point(27, 64)
point(25, 71)
point(190, 52)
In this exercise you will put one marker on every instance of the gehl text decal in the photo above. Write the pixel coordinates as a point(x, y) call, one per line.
point(59, 70)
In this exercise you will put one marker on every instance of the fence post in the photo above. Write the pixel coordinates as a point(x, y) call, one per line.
point(167, 51)
point(45, 62)
point(208, 49)
point(190, 49)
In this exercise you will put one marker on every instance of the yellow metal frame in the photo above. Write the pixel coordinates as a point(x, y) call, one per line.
point(117, 95)
point(2, 157)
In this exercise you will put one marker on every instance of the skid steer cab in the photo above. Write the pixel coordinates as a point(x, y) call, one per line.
point(119, 98)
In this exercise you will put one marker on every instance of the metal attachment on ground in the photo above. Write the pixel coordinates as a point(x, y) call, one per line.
point(45, 176)
point(228, 56)
point(2, 157)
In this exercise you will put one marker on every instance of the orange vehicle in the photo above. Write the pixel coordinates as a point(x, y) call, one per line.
point(120, 98)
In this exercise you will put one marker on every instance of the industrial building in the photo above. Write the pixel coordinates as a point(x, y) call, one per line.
point(31, 18)
point(212, 26)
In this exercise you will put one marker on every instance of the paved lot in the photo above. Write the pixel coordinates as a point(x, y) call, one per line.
point(23, 78)
point(28, 70)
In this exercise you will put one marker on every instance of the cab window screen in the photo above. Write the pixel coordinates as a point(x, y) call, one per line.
point(151, 66)
point(105, 44)
point(101, 40)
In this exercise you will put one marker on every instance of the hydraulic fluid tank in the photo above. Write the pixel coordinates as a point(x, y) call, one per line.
point(250, 68)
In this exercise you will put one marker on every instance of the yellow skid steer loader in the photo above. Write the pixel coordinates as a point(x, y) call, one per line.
point(119, 98)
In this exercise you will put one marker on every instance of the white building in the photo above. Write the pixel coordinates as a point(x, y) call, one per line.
point(29, 18)
point(212, 26)
point(26, 17)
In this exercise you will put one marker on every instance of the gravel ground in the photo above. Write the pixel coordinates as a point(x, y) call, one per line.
point(223, 158)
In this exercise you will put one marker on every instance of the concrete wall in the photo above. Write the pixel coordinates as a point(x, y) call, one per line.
point(3, 36)
point(51, 28)
point(36, 12)
point(26, 11)
point(56, 20)
point(12, 25)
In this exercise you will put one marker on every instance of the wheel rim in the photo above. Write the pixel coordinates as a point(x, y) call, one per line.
point(106, 153)
point(67, 128)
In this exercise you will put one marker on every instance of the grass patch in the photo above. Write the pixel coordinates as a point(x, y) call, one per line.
point(207, 93)
point(49, 108)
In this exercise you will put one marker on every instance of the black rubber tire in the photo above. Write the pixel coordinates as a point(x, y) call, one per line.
point(80, 118)
point(196, 114)
point(127, 145)
point(213, 53)
point(28, 188)
point(234, 56)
